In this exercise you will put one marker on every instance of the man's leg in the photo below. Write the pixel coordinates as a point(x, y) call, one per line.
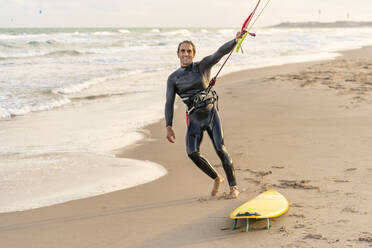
point(194, 137)
point(216, 134)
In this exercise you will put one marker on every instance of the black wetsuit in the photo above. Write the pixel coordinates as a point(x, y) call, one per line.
point(188, 82)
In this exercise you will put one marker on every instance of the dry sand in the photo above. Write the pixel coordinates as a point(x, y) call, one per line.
point(302, 129)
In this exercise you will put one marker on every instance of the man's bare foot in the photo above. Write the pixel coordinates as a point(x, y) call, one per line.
point(216, 186)
point(234, 193)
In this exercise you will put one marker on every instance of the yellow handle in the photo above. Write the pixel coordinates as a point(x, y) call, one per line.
point(240, 42)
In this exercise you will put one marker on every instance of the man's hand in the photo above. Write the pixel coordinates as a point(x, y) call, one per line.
point(171, 137)
point(239, 35)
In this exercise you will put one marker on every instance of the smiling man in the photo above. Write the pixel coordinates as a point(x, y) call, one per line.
point(190, 82)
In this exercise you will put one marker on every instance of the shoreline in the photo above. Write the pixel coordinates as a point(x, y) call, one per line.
point(302, 129)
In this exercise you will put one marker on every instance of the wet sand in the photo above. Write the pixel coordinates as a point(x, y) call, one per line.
point(303, 129)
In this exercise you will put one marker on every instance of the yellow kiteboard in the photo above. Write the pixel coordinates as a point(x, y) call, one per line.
point(267, 205)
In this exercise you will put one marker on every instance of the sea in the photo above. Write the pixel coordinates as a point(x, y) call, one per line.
point(47, 74)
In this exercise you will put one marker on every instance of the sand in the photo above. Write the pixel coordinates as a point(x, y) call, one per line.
point(302, 129)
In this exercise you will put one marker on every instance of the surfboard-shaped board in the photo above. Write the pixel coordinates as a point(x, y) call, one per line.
point(267, 205)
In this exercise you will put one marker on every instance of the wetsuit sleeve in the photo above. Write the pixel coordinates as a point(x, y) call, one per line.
point(209, 61)
point(169, 103)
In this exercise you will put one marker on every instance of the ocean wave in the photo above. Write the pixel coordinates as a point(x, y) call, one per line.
point(180, 32)
point(4, 56)
point(78, 87)
point(7, 36)
point(70, 89)
point(39, 43)
point(95, 97)
point(12, 54)
point(63, 53)
point(111, 50)
point(155, 30)
point(161, 44)
point(23, 36)
point(226, 31)
point(42, 54)
point(42, 39)
point(124, 31)
point(34, 43)
point(105, 33)
point(7, 113)
point(337, 24)
point(7, 45)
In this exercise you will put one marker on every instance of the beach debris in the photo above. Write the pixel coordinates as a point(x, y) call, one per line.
point(296, 184)
point(259, 173)
point(351, 169)
point(283, 229)
point(258, 181)
point(366, 238)
point(225, 228)
point(203, 199)
point(278, 166)
point(296, 205)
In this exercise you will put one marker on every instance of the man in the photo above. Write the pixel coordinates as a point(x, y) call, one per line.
point(190, 82)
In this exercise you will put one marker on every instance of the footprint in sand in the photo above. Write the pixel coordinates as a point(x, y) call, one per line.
point(296, 184)
point(315, 236)
point(343, 221)
point(341, 181)
point(349, 210)
point(299, 226)
point(297, 216)
point(239, 154)
point(253, 180)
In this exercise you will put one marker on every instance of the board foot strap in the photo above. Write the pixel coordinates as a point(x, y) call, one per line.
point(235, 223)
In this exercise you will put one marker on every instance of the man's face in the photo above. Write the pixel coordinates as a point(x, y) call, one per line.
point(186, 54)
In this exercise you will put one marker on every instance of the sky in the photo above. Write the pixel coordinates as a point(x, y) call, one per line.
point(175, 13)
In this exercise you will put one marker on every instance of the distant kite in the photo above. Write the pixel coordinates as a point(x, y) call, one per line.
point(40, 12)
